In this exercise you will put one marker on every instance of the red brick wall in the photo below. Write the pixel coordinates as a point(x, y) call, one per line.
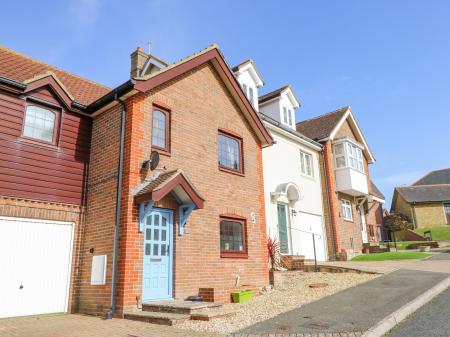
point(100, 212)
point(43, 210)
point(200, 104)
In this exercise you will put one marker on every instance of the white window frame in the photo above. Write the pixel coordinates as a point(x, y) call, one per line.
point(346, 207)
point(247, 89)
point(304, 166)
point(352, 154)
point(446, 205)
point(287, 117)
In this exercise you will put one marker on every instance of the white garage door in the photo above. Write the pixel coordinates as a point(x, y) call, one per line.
point(310, 223)
point(35, 259)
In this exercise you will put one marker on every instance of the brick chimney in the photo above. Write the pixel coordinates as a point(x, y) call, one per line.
point(138, 59)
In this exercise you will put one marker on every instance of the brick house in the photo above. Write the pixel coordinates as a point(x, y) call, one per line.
point(82, 160)
point(353, 204)
point(427, 201)
point(44, 158)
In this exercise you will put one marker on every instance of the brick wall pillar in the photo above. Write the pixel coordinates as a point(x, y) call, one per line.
point(333, 201)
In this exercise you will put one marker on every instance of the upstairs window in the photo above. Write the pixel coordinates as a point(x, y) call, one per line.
point(346, 207)
point(160, 130)
point(40, 124)
point(249, 92)
point(287, 117)
point(250, 95)
point(230, 152)
point(306, 164)
point(347, 154)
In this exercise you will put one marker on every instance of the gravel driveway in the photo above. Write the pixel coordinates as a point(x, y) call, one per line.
point(293, 293)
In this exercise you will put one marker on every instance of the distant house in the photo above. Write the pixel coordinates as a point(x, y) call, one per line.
point(426, 202)
point(354, 209)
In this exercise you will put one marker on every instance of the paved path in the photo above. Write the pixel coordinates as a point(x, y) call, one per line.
point(86, 326)
point(432, 320)
point(437, 263)
point(444, 256)
point(352, 310)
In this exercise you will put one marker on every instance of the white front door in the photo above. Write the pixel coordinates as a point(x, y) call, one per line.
point(363, 224)
point(35, 260)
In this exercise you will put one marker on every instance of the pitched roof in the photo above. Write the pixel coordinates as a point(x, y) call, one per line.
point(272, 94)
point(321, 126)
point(166, 182)
point(211, 54)
point(434, 178)
point(20, 68)
point(373, 190)
point(281, 126)
point(425, 193)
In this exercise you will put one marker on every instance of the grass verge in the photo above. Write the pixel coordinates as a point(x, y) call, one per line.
point(438, 233)
point(391, 256)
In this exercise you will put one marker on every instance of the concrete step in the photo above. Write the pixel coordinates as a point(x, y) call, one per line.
point(179, 307)
point(161, 318)
point(210, 314)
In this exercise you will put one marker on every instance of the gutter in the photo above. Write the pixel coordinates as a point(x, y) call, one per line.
point(110, 313)
point(295, 133)
point(12, 83)
point(111, 96)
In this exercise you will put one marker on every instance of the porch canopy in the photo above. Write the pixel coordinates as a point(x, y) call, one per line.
point(287, 192)
point(172, 182)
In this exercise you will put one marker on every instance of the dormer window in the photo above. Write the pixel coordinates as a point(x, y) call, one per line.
point(40, 124)
point(347, 154)
point(249, 92)
point(287, 117)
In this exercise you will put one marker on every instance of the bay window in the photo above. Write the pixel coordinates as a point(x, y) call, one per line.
point(347, 154)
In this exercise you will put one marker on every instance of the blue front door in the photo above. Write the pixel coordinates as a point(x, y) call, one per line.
point(157, 270)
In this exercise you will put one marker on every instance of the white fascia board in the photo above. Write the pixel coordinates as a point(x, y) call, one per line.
point(291, 96)
point(291, 136)
point(153, 61)
point(253, 73)
point(375, 198)
point(349, 114)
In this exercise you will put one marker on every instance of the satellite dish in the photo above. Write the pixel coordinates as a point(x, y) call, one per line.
point(154, 160)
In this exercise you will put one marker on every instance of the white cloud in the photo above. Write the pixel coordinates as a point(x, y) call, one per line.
point(85, 11)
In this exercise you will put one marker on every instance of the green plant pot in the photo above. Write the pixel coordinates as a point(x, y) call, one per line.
point(242, 296)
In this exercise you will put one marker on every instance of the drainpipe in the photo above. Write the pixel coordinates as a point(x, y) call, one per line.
point(413, 213)
point(328, 205)
point(109, 314)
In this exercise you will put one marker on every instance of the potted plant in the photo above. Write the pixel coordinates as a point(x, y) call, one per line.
point(273, 251)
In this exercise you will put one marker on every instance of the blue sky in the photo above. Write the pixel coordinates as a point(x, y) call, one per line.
point(389, 60)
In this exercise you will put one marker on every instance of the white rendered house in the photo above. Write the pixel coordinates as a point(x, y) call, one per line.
point(291, 171)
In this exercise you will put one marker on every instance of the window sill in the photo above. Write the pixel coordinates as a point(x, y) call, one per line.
point(162, 151)
point(234, 255)
point(308, 177)
point(351, 168)
point(348, 220)
point(238, 173)
point(38, 143)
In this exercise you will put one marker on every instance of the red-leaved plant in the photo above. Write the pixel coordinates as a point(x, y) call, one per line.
point(273, 250)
